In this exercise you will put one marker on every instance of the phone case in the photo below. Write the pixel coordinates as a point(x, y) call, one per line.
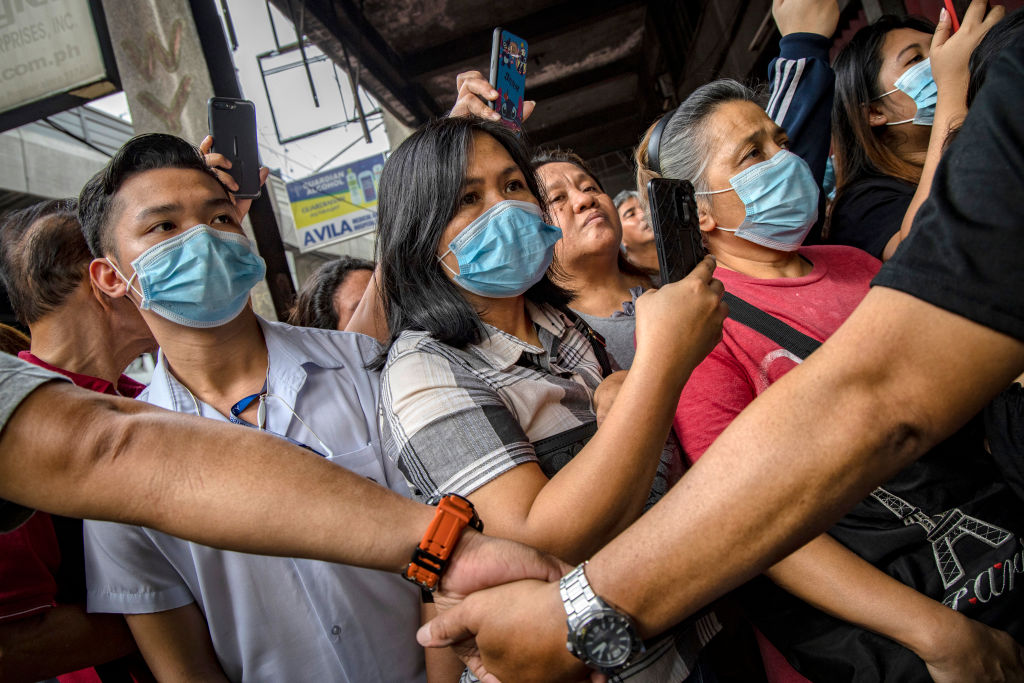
point(233, 127)
point(673, 214)
point(508, 76)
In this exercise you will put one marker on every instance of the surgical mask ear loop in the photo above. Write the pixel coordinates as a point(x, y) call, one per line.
point(440, 259)
point(127, 280)
point(728, 189)
point(892, 123)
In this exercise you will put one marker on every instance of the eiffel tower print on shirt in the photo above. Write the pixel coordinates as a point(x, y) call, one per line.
point(943, 531)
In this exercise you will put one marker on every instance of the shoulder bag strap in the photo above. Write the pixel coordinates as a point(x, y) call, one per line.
point(597, 342)
point(794, 341)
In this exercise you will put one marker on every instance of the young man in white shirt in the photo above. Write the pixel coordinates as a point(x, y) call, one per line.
point(166, 235)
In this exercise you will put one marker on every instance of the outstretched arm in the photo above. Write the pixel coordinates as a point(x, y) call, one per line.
point(220, 485)
point(954, 647)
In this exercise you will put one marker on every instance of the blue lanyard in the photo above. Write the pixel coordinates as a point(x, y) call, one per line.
point(242, 405)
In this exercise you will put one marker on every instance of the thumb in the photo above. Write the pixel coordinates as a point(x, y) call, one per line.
point(447, 628)
point(943, 29)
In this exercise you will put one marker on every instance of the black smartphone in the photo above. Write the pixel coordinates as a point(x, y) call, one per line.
point(673, 216)
point(233, 127)
point(508, 76)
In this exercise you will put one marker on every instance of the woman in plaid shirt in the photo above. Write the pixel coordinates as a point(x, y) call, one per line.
point(486, 368)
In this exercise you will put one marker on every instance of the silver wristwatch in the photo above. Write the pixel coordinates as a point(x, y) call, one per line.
point(600, 636)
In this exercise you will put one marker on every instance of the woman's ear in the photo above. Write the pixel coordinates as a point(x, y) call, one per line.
point(875, 116)
point(706, 222)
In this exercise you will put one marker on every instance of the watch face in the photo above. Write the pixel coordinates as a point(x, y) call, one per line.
point(606, 640)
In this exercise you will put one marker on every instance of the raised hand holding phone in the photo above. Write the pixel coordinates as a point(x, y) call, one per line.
point(474, 97)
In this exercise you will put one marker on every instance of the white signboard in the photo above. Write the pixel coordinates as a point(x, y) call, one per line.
point(47, 47)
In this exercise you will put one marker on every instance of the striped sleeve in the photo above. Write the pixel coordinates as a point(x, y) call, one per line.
point(802, 87)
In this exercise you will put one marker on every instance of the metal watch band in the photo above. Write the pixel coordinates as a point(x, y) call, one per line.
point(577, 595)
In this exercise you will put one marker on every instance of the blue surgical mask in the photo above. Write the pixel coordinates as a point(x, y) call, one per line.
point(781, 199)
point(918, 84)
point(200, 278)
point(504, 252)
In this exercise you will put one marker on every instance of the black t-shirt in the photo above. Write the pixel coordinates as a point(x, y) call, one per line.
point(949, 526)
point(965, 253)
point(869, 212)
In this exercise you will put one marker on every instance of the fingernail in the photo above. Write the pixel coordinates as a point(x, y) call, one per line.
point(943, 14)
point(494, 93)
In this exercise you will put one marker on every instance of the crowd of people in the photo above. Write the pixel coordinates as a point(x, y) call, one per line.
point(794, 464)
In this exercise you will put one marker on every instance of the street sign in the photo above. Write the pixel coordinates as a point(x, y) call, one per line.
point(336, 205)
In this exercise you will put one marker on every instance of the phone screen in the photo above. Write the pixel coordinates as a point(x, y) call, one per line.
point(508, 76)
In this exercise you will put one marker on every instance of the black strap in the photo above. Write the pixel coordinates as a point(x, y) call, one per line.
point(794, 341)
point(596, 340)
point(562, 440)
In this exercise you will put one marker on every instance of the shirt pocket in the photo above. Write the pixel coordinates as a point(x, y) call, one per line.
point(364, 461)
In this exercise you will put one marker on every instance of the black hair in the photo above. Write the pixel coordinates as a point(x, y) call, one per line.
point(1007, 32)
point(43, 257)
point(419, 194)
point(146, 152)
point(859, 150)
point(314, 306)
point(557, 155)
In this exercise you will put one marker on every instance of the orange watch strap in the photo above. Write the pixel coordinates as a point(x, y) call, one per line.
point(429, 560)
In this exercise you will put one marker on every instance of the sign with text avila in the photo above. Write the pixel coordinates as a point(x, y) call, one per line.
point(336, 205)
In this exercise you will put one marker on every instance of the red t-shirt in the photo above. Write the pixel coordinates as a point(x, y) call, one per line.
point(745, 362)
point(30, 555)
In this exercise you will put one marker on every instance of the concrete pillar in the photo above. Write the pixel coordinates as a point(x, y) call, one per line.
point(394, 129)
point(161, 63)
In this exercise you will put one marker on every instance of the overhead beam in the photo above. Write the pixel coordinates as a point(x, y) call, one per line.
point(581, 124)
point(583, 79)
point(338, 27)
point(556, 20)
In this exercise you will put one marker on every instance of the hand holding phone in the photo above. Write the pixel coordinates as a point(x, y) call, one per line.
point(674, 218)
point(508, 77)
point(233, 127)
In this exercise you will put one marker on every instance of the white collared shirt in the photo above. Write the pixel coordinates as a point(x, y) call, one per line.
point(271, 618)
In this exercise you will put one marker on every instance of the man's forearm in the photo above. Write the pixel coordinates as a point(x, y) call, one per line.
point(767, 484)
point(85, 455)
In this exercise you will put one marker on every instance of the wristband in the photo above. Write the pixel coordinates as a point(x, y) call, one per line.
point(429, 560)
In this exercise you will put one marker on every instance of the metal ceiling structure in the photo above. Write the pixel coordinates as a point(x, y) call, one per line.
point(600, 71)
